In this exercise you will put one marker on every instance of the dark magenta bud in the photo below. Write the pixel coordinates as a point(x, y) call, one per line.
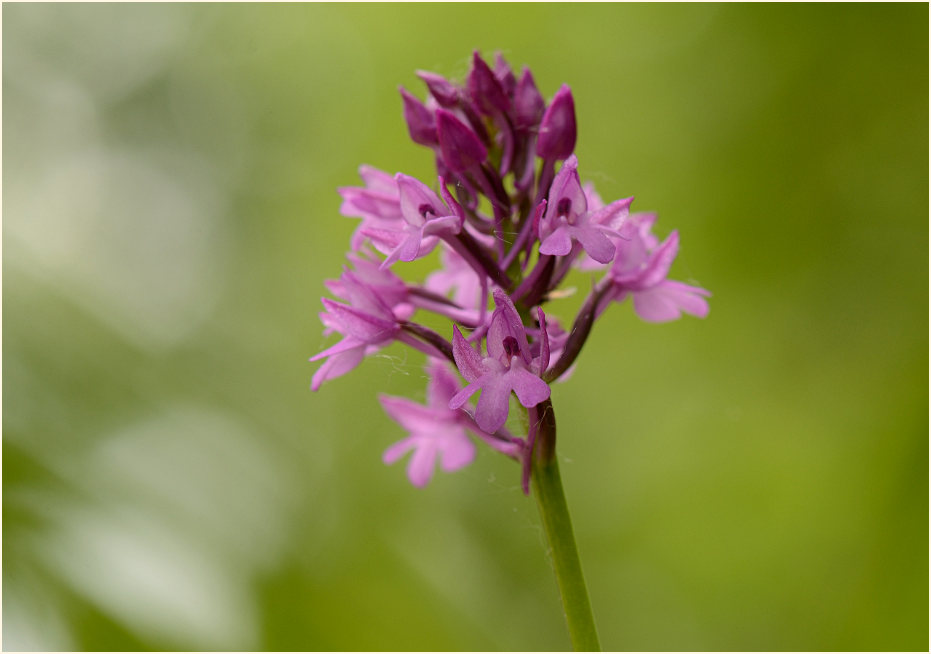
point(528, 103)
point(485, 89)
point(420, 121)
point(505, 75)
point(445, 92)
point(460, 147)
point(558, 130)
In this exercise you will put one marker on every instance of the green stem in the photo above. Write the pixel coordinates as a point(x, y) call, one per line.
point(547, 488)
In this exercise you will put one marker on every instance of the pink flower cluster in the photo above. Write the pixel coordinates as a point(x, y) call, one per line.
point(510, 227)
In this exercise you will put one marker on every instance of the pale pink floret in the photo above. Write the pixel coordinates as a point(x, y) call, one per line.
point(378, 204)
point(371, 287)
point(425, 219)
point(363, 333)
point(369, 322)
point(640, 269)
point(568, 218)
point(508, 367)
point(436, 431)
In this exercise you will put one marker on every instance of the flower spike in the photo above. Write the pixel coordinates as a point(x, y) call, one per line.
point(511, 218)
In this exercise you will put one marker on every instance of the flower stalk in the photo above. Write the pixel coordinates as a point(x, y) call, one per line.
point(564, 555)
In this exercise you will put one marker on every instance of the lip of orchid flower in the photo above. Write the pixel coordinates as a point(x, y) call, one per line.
point(507, 368)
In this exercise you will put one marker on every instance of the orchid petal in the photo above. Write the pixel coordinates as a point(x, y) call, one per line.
point(530, 389)
point(399, 449)
point(443, 226)
point(558, 243)
point(443, 384)
point(410, 415)
point(566, 186)
point(598, 246)
point(460, 398)
point(491, 411)
point(668, 300)
point(660, 261)
point(456, 452)
point(363, 326)
point(417, 199)
point(543, 361)
point(467, 359)
point(337, 365)
point(420, 468)
point(613, 215)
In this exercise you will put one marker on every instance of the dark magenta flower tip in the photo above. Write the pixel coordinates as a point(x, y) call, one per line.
point(445, 92)
point(420, 121)
point(528, 103)
point(505, 75)
point(460, 147)
point(558, 129)
point(485, 89)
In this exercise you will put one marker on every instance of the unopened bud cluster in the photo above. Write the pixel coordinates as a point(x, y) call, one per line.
point(509, 227)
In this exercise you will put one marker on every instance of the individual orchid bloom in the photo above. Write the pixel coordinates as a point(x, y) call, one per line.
point(371, 288)
point(436, 431)
point(568, 218)
point(364, 332)
point(426, 216)
point(640, 269)
point(507, 367)
point(378, 204)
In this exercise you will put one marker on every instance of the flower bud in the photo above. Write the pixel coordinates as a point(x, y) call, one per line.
point(420, 121)
point(528, 103)
point(558, 130)
point(460, 147)
point(505, 75)
point(485, 89)
point(445, 92)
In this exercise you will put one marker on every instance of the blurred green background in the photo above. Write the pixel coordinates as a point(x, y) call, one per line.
point(756, 480)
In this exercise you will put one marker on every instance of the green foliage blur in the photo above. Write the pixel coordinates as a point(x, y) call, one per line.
point(755, 480)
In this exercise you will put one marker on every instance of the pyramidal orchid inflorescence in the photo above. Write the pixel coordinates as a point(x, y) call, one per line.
point(511, 217)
